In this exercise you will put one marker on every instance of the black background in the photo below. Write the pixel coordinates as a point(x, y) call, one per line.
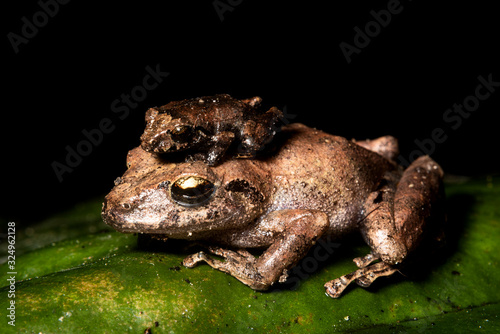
point(65, 78)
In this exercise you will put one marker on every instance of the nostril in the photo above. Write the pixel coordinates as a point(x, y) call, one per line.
point(126, 206)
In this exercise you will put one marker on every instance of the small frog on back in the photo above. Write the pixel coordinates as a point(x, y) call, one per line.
point(208, 127)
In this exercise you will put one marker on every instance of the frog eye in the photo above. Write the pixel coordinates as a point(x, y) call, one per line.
point(191, 190)
point(181, 133)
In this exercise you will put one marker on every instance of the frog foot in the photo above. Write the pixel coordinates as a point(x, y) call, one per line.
point(363, 277)
point(240, 264)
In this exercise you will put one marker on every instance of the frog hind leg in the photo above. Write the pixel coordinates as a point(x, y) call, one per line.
point(418, 201)
point(398, 213)
point(258, 132)
point(302, 229)
point(218, 146)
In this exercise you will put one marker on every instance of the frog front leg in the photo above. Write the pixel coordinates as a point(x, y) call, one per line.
point(217, 146)
point(396, 217)
point(292, 234)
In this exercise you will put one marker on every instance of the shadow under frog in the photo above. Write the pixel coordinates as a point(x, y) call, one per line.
point(207, 126)
point(314, 185)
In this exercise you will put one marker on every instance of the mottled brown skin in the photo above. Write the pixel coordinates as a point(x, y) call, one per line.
point(315, 185)
point(207, 126)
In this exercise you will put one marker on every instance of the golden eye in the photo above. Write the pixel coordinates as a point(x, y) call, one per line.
point(191, 190)
point(181, 133)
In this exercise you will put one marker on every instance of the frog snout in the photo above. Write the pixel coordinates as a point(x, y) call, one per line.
point(110, 215)
point(118, 214)
point(160, 143)
point(138, 212)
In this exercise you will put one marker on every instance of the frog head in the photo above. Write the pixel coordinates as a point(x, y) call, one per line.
point(187, 200)
point(166, 132)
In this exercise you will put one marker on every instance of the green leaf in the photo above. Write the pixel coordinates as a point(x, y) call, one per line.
point(75, 275)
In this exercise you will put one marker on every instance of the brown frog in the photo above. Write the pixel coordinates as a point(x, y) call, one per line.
point(207, 126)
point(315, 185)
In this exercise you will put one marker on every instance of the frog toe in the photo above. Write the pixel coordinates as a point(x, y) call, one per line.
point(363, 277)
point(334, 288)
point(362, 262)
point(192, 260)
